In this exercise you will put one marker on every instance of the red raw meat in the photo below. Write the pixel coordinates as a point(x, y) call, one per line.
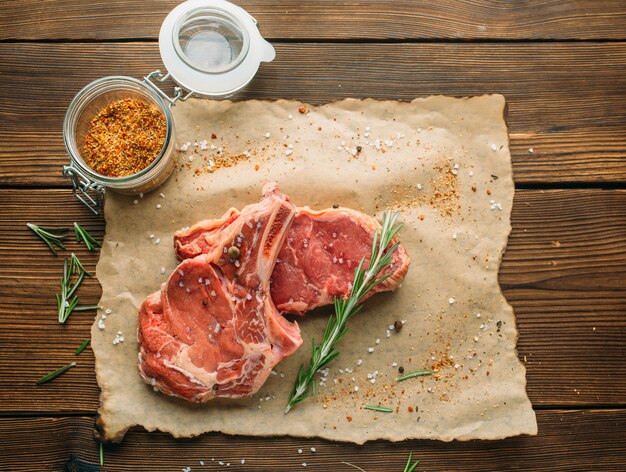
point(213, 329)
point(317, 260)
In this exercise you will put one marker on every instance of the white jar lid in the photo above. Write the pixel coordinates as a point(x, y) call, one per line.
point(212, 48)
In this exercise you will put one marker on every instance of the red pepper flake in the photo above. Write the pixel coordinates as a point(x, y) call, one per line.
point(349, 418)
point(124, 138)
point(410, 408)
point(213, 136)
point(302, 110)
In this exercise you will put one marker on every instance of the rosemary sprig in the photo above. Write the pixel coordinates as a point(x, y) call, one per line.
point(417, 373)
point(364, 281)
point(66, 301)
point(382, 409)
point(54, 374)
point(410, 467)
point(82, 347)
point(51, 236)
point(82, 235)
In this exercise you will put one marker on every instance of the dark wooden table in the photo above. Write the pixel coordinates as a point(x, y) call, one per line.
point(561, 65)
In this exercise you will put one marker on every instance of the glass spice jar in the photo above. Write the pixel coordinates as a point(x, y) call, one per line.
point(211, 49)
point(90, 185)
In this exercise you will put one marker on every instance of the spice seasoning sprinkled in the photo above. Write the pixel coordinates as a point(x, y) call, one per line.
point(124, 138)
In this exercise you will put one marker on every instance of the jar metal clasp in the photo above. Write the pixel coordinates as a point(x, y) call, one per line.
point(88, 192)
point(159, 76)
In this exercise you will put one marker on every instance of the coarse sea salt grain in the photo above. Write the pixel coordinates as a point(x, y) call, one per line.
point(288, 152)
point(370, 349)
point(135, 202)
point(451, 300)
point(162, 270)
point(268, 134)
point(158, 207)
point(494, 147)
point(495, 205)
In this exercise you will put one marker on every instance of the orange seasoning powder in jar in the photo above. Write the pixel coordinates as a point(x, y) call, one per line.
point(124, 138)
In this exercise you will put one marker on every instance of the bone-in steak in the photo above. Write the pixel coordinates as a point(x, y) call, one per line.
point(317, 260)
point(213, 329)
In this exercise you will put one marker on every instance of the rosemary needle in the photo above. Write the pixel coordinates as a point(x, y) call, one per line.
point(101, 455)
point(345, 308)
point(82, 235)
point(383, 409)
point(82, 347)
point(410, 467)
point(56, 373)
point(51, 236)
point(417, 373)
point(87, 308)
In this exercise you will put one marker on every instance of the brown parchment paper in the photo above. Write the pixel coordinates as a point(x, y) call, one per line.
point(444, 163)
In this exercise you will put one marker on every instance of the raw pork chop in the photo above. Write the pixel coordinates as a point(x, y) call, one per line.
point(317, 260)
point(213, 329)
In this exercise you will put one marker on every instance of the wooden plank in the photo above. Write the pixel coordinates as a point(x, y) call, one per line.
point(328, 19)
point(564, 272)
point(565, 101)
point(567, 440)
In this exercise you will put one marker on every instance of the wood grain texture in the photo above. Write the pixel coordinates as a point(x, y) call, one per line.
point(328, 19)
point(596, 445)
point(565, 101)
point(564, 272)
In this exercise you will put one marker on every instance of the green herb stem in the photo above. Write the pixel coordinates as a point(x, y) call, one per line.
point(66, 301)
point(101, 455)
point(364, 281)
point(56, 373)
point(417, 373)
point(51, 236)
point(382, 409)
point(82, 235)
point(410, 467)
point(82, 347)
